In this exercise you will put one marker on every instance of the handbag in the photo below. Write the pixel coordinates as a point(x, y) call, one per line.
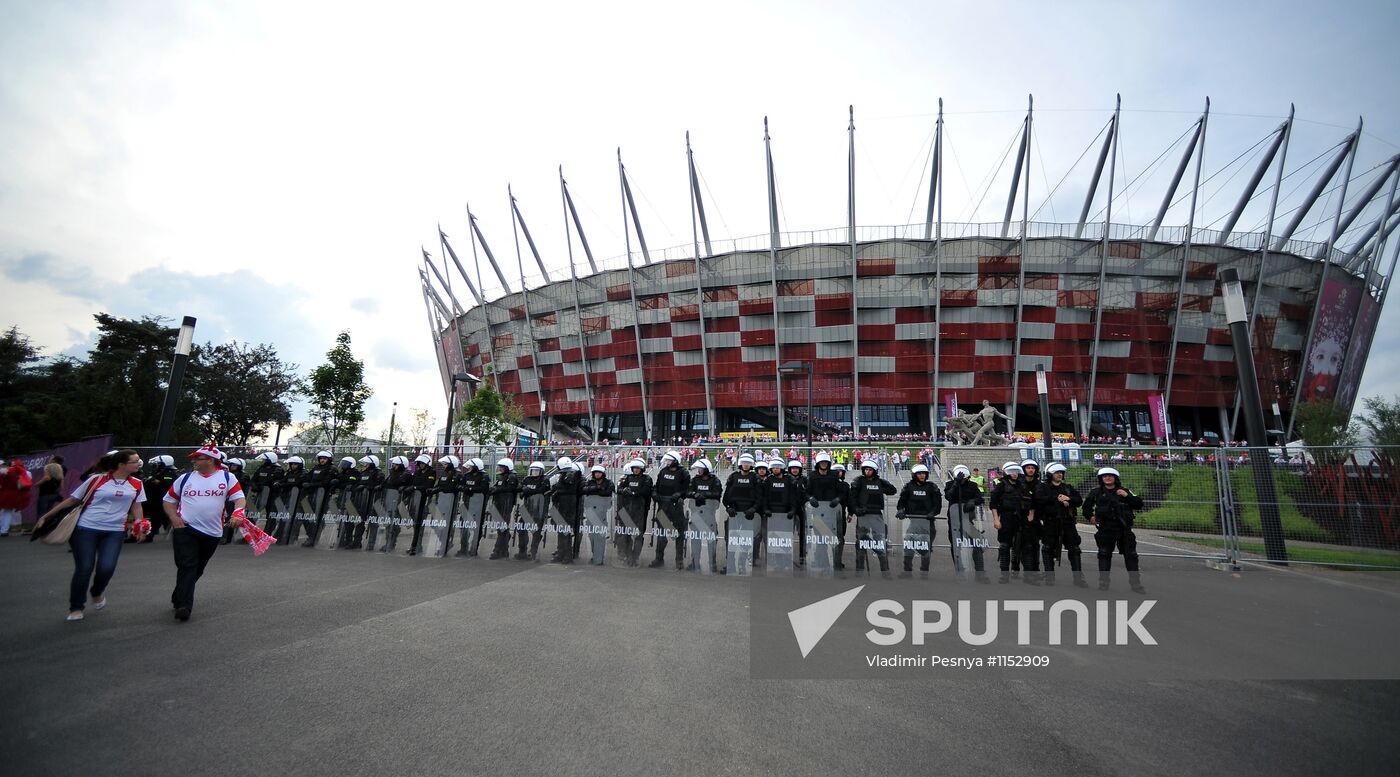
point(61, 533)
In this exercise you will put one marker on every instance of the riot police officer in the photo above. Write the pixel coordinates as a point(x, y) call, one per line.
point(840, 470)
point(288, 493)
point(534, 498)
point(400, 481)
point(797, 473)
point(633, 503)
point(1012, 510)
point(825, 492)
point(599, 485)
point(672, 483)
point(158, 480)
point(365, 490)
point(1057, 505)
point(919, 501)
point(264, 480)
point(741, 499)
point(473, 481)
point(346, 477)
point(964, 501)
point(421, 488)
point(503, 493)
point(867, 501)
point(1110, 507)
point(319, 481)
point(566, 495)
point(705, 491)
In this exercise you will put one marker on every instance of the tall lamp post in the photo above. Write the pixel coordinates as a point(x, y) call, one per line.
point(389, 443)
point(1042, 387)
point(177, 375)
point(471, 381)
point(1235, 312)
point(544, 422)
point(798, 368)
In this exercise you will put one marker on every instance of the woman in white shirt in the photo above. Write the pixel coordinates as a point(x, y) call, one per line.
point(107, 499)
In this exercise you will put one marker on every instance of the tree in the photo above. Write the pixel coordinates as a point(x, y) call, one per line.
point(420, 427)
point(1324, 423)
point(338, 391)
point(1382, 420)
point(240, 390)
point(483, 419)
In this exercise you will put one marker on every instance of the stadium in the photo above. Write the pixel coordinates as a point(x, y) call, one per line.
point(887, 330)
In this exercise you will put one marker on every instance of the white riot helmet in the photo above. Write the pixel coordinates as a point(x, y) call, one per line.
point(1054, 467)
point(869, 464)
point(745, 458)
point(451, 461)
point(325, 455)
point(1012, 468)
point(794, 463)
point(347, 462)
point(295, 460)
point(637, 464)
point(401, 461)
point(918, 468)
point(826, 457)
point(599, 468)
point(1029, 463)
point(507, 463)
point(838, 467)
point(536, 465)
point(672, 455)
point(370, 460)
point(1108, 471)
point(269, 457)
point(424, 458)
point(775, 464)
point(164, 460)
point(701, 464)
point(565, 463)
point(478, 463)
point(962, 470)
point(232, 462)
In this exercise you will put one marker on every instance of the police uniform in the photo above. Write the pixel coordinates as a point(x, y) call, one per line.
point(919, 499)
point(670, 487)
point(503, 494)
point(867, 499)
point(1113, 516)
point(633, 497)
point(1057, 524)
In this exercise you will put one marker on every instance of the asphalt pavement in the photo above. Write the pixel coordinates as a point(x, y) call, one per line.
point(317, 662)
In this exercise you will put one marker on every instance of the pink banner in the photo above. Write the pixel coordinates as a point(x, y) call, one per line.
point(950, 404)
point(1157, 408)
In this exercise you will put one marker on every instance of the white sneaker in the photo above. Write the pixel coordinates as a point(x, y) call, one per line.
point(75, 616)
point(100, 604)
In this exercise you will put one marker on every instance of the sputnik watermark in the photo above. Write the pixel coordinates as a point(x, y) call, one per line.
point(1108, 623)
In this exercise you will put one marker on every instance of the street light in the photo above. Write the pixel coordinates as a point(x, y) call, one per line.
point(1042, 387)
point(1235, 313)
point(472, 382)
point(791, 368)
point(177, 375)
point(544, 427)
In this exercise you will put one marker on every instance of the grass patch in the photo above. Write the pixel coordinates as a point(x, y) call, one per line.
point(1296, 526)
point(1339, 558)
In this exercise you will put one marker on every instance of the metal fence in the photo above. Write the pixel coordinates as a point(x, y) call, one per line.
point(1336, 507)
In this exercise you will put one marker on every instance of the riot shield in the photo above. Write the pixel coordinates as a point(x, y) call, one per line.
point(256, 507)
point(468, 524)
point(780, 543)
point(494, 526)
point(336, 523)
point(374, 527)
point(311, 510)
point(396, 522)
point(437, 512)
point(534, 514)
point(558, 529)
point(965, 535)
point(702, 535)
point(629, 535)
point(595, 528)
point(740, 533)
point(287, 503)
point(664, 529)
point(823, 525)
point(871, 540)
point(917, 541)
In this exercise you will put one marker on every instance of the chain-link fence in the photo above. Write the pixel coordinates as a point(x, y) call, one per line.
point(1337, 507)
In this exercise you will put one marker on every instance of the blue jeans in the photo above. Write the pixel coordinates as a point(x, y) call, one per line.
point(92, 549)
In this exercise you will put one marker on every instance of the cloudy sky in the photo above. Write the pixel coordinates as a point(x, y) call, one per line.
point(272, 168)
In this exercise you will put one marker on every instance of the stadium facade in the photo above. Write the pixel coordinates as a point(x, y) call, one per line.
point(891, 328)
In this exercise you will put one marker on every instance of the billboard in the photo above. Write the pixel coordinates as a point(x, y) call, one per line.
point(1349, 380)
point(1336, 320)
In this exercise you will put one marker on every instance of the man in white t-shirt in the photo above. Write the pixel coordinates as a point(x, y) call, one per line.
point(195, 506)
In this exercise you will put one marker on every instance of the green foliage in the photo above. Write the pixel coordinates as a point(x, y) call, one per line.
point(1340, 558)
point(1324, 423)
point(1296, 526)
point(485, 418)
point(338, 391)
point(1381, 419)
point(239, 391)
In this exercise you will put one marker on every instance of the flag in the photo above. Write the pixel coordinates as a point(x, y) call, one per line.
point(259, 539)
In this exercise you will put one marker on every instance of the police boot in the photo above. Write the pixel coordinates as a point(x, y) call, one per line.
point(908, 567)
point(1079, 581)
point(884, 565)
point(982, 577)
point(1135, 582)
point(657, 562)
point(464, 547)
point(1103, 581)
